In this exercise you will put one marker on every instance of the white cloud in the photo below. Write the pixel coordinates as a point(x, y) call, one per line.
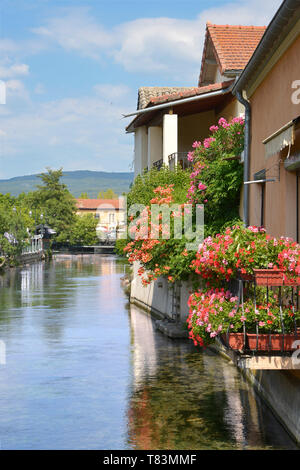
point(165, 46)
point(158, 44)
point(76, 133)
point(88, 132)
point(77, 31)
point(15, 88)
point(9, 71)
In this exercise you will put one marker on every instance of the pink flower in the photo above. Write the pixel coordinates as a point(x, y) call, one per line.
point(190, 156)
point(196, 144)
point(222, 122)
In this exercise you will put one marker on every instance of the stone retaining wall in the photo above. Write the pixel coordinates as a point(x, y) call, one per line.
point(163, 299)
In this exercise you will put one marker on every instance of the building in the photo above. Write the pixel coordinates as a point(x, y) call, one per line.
point(270, 88)
point(169, 119)
point(109, 212)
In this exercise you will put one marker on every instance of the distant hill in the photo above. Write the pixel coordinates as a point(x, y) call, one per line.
point(78, 182)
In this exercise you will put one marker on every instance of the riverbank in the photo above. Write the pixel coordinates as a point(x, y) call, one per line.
point(166, 302)
point(279, 388)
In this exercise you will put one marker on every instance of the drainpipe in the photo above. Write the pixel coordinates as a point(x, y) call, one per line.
point(247, 140)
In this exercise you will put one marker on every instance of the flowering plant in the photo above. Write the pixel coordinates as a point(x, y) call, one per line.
point(226, 140)
point(217, 174)
point(217, 311)
point(163, 255)
point(209, 312)
point(241, 250)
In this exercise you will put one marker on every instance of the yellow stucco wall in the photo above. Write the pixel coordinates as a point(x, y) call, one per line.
point(231, 110)
point(106, 216)
point(272, 108)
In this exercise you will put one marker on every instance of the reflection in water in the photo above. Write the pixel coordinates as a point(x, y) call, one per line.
point(183, 399)
point(84, 373)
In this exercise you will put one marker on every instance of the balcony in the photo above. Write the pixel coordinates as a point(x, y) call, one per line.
point(158, 164)
point(179, 158)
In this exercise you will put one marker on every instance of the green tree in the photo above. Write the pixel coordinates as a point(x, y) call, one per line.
point(108, 194)
point(141, 191)
point(15, 220)
point(56, 203)
point(84, 230)
point(84, 196)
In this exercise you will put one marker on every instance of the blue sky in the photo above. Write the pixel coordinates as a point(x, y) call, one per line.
point(72, 67)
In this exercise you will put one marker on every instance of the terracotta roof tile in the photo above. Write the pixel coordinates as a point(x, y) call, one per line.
point(146, 93)
point(235, 44)
point(93, 204)
point(189, 93)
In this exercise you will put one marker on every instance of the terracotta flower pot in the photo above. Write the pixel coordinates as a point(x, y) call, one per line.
point(269, 277)
point(274, 344)
point(292, 282)
point(235, 340)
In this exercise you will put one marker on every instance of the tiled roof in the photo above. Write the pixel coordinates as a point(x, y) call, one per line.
point(170, 98)
point(234, 45)
point(189, 93)
point(94, 204)
point(146, 93)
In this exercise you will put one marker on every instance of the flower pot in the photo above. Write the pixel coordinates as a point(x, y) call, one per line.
point(292, 282)
point(275, 342)
point(269, 277)
point(235, 340)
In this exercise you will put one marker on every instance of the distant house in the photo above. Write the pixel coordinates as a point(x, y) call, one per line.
point(169, 119)
point(109, 212)
point(271, 84)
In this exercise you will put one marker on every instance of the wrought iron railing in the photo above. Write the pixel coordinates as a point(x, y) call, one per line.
point(158, 164)
point(179, 158)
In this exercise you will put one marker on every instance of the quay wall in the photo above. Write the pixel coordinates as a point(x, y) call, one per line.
point(163, 299)
point(280, 389)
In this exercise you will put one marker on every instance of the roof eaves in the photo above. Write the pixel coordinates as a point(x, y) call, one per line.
point(190, 93)
point(224, 87)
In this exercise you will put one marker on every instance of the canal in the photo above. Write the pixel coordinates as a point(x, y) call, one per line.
point(84, 370)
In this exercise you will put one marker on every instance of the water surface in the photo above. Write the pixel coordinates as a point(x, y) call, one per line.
point(85, 371)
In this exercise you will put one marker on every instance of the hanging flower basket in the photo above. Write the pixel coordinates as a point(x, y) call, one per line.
point(292, 281)
point(234, 341)
point(275, 342)
point(269, 277)
point(261, 342)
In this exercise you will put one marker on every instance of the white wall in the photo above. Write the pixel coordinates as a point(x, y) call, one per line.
point(155, 145)
point(140, 150)
point(157, 296)
point(170, 136)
